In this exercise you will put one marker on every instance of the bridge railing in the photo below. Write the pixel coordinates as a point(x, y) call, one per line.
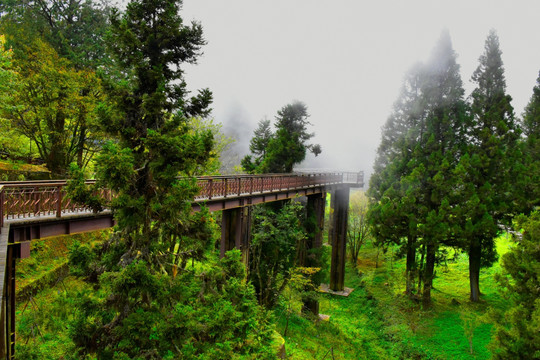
point(29, 199)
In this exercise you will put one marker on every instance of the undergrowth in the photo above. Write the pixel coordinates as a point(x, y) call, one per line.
point(376, 321)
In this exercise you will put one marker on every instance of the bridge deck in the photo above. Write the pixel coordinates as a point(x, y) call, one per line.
point(25, 200)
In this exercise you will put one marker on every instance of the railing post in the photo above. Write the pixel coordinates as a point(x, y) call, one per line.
point(225, 187)
point(239, 185)
point(210, 188)
point(36, 199)
point(59, 202)
point(251, 185)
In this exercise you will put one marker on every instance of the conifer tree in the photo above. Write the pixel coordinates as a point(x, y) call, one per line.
point(278, 152)
point(258, 146)
point(288, 146)
point(392, 211)
point(440, 142)
point(143, 266)
point(487, 168)
point(421, 145)
point(531, 129)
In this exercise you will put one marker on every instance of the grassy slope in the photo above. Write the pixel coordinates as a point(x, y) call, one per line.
point(378, 322)
point(48, 254)
point(354, 331)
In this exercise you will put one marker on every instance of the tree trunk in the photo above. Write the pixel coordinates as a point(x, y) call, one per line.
point(421, 268)
point(80, 147)
point(428, 273)
point(475, 254)
point(56, 159)
point(411, 257)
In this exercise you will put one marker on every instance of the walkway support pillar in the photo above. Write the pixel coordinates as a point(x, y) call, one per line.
point(339, 239)
point(312, 257)
point(236, 231)
point(8, 306)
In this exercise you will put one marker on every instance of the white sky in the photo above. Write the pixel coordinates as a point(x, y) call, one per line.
point(346, 59)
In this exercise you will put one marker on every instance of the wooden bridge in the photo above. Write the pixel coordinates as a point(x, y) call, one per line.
point(38, 209)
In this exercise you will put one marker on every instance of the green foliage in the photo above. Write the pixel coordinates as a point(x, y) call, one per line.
point(220, 145)
point(11, 142)
point(148, 304)
point(280, 151)
point(277, 237)
point(288, 145)
point(518, 329)
point(487, 174)
point(80, 259)
point(531, 129)
point(78, 191)
point(422, 140)
point(64, 24)
point(214, 315)
point(53, 105)
point(358, 229)
point(258, 146)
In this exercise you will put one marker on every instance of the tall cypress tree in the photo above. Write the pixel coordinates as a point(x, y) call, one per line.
point(289, 146)
point(531, 129)
point(392, 211)
point(422, 142)
point(440, 142)
point(486, 170)
point(142, 268)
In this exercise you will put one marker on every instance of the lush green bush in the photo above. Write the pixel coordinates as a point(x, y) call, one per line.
point(518, 329)
point(209, 315)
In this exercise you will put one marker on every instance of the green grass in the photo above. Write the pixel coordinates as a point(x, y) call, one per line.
point(42, 321)
point(377, 321)
point(354, 330)
point(49, 254)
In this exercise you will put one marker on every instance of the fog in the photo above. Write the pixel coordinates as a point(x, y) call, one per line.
point(345, 60)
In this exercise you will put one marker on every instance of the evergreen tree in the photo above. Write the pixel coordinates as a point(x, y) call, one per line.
point(277, 237)
point(435, 155)
point(517, 333)
point(531, 129)
point(155, 307)
point(487, 168)
point(74, 28)
point(288, 146)
point(278, 152)
point(392, 212)
point(258, 146)
point(422, 142)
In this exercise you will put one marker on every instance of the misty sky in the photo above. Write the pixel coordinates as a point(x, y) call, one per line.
point(346, 59)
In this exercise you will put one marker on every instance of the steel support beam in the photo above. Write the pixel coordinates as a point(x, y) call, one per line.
point(339, 239)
